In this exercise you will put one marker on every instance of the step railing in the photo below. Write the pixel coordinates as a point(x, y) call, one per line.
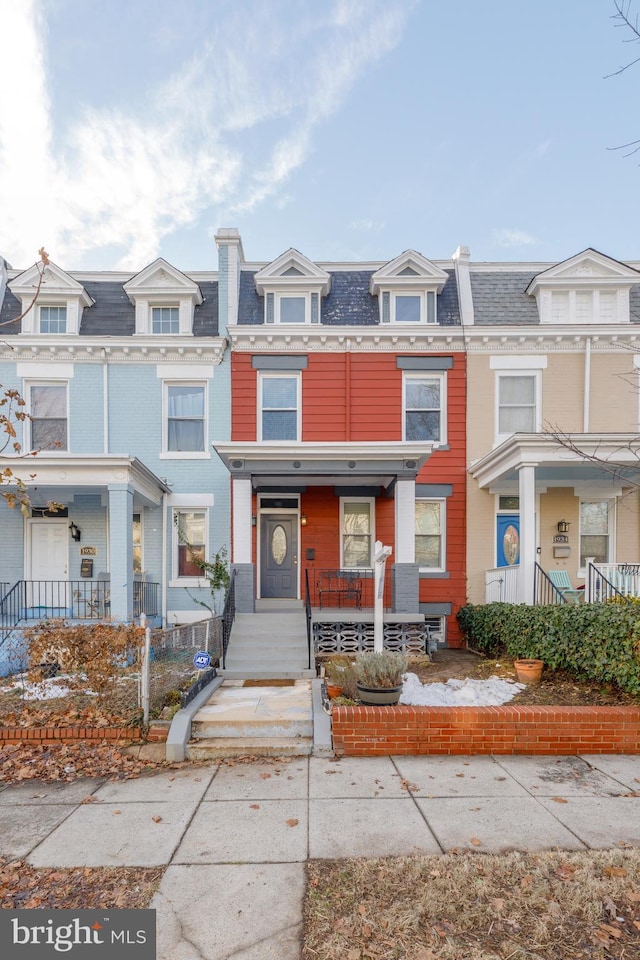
point(308, 615)
point(545, 591)
point(605, 581)
point(228, 616)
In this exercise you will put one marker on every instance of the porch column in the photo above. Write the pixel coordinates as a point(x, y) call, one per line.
point(241, 556)
point(121, 550)
point(527, 493)
point(405, 574)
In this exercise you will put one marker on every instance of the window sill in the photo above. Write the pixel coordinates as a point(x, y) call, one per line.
point(197, 582)
point(427, 573)
point(184, 455)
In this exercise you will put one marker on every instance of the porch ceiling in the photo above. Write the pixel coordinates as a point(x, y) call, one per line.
point(60, 477)
point(324, 464)
point(572, 458)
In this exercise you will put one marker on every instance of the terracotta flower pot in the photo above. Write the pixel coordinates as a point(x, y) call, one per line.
point(529, 671)
point(379, 696)
point(333, 690)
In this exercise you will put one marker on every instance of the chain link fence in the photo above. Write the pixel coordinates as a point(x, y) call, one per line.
point(168, 661)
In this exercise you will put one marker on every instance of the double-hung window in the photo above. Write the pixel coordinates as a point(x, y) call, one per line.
point(190, 543)
point(357, 526)
point(430, 527)
point(185, 405)
point(137, 542)
point(49, 416)
point(518, 403)
point(165, 320)
point(408, 307)
point(53, 319)
point(279, 407)
point(424, 407)
point(596, 524)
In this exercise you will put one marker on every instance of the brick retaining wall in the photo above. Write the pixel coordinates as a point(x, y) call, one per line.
point(385, 731)
point(67, 734)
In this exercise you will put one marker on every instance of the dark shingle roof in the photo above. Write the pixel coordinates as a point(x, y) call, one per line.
point(113, 314)
point(500, 298)
point(349, 302)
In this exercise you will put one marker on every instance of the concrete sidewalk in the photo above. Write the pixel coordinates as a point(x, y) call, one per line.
point(235, 837)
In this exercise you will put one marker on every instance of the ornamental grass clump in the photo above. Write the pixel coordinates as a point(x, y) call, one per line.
point(385, 669)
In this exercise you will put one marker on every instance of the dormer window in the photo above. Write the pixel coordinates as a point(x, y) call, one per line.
point(165, 300)
point(407, 289)
point(292, 287)
point(165, 320)
point(53, 319)
point(589, 288)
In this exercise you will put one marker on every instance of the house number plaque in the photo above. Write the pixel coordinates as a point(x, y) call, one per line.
point(88, 551)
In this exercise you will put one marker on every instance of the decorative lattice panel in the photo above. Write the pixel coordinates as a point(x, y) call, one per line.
point(355, 637)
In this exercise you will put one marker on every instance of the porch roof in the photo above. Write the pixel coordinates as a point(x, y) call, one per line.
point(607, 458)
point(324, 464)
point(60, 476)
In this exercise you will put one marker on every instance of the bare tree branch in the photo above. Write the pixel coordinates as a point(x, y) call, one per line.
point(41, 265)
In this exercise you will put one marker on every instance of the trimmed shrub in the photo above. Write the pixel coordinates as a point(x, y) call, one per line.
point(594, 641)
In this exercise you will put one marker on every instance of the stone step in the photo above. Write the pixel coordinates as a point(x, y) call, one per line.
point(246, 747)
point(266, 673)
point(252, 730)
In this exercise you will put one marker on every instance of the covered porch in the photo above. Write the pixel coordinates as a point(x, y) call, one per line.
point(573, 529)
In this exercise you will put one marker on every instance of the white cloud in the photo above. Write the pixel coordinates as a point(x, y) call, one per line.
point(225, 131)
point(367, 225)
point(506, 237)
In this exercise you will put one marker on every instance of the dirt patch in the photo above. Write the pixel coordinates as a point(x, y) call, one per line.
point(476, 907)
point(556, 689)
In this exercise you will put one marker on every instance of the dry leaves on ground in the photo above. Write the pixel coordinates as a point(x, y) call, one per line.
point(475, 906)
point(69, 761)
point(23, 886)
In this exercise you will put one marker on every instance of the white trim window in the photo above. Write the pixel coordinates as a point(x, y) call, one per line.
point(424, 407)
point(518, 402)
point(48, 426)
point(190, 545)
point(53, 319)
point(408, 306)
point(294, 306)
point(430, 534)
point(136, 534)
point(165, 319)
point(279, 406)
point(596, 530)
point(357, 532)
point(185, 418)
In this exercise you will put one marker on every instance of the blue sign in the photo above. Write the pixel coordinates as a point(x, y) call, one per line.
point(202, 660)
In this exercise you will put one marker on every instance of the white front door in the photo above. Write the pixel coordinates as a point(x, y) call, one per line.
point(49, 564)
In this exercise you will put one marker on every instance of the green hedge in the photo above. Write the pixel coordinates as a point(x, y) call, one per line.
point(594, 641)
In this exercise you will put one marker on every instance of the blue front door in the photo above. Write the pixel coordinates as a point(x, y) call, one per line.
point(507, 539)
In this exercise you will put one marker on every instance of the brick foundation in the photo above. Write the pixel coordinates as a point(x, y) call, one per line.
point(508, 729)
point(39, 735)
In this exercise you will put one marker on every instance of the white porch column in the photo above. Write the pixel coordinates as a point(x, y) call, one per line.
point(121, 550)
point(405, 503)
point(241, 521)
point(527, 493)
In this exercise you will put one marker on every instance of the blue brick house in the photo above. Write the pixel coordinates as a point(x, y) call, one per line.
point(126, 379)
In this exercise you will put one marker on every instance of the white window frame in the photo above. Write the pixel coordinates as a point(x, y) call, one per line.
point(291, 294)
point(536, 376)
point(423, 296)
point(139, 513)
point(167, 454)
point(28, 428)
point(176, 579)
point(164, 306)
point(280, 375)
point(372, 535)
point(612, 525)
point(441, 376)
point(53, 306)
point(443, 533)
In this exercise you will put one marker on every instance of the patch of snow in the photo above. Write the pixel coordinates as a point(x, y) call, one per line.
point(458, 693)
point(46, 689)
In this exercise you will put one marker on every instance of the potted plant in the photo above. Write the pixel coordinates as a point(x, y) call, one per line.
point(340, 677)
point(379, 676)
point(528, 670)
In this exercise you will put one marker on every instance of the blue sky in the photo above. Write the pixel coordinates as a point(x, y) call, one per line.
point(350, 129)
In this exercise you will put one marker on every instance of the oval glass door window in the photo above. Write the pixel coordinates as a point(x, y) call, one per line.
point(279, 544)
point(511, 545)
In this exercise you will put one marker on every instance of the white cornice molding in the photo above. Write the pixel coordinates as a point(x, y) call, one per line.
point(371, 339)
point(82, 349)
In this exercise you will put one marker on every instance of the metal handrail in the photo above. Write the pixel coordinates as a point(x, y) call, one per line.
point(228, 616)
point(308, 615)
point(545, 591)
point(601, 588)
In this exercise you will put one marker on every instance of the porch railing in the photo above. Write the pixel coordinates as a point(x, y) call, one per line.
point(544, 591)
point(308, 614)
point(501, 585)
point(608, 580)
point(71, 599)
point(354, 589)
point(228, 616)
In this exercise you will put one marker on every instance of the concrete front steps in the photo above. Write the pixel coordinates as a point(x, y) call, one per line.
point(261, 721)
point(270, 644)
